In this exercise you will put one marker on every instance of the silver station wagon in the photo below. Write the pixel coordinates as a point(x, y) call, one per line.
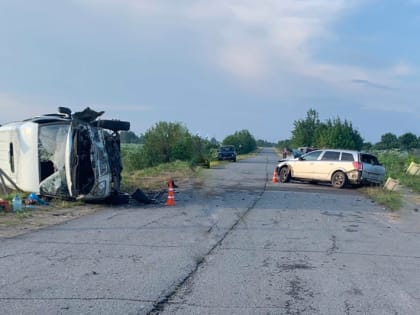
point(339, 167)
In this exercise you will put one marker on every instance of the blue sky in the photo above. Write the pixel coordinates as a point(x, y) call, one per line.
point(217, 66)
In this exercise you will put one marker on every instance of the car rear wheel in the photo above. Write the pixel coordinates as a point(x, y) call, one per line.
point(338, 179)
point(284, 175)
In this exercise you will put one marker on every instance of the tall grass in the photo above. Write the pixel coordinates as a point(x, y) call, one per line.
point(389, 199)
point(156, 178)
point(396, 164)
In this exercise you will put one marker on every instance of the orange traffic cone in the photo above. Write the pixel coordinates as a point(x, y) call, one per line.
point(170, 201)
point(275, 179)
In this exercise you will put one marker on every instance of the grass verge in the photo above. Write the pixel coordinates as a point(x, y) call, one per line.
point(390, 199)
point(156, 178)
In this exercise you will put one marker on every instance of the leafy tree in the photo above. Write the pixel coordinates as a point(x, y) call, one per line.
point(243, 141)
point(264, 143)
point(408, 141)
point(203, 151)
point(130, 137)
point(133, 156)
point(337, 134)
point(167, 142)
point(367, 146)
point(214, 142)
point(284, 144)
point(388, 141)
point(304, 130)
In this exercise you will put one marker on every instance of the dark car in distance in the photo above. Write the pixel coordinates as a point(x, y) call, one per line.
point(227, 152)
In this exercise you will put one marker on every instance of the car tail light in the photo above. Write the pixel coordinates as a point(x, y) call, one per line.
point(358, 166)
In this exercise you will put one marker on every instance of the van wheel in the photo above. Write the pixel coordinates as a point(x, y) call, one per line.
point(338, 179)
point(284, 175)
point(114, 125)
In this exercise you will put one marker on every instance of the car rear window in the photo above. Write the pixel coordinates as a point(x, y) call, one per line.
point(347, 157)
point(226, 149)
point(370, 159)
point(331, 156)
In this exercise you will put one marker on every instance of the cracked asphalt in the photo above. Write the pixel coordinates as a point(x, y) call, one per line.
point(240, 244)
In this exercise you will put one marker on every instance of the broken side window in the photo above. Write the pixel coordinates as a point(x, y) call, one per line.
point(52, 142)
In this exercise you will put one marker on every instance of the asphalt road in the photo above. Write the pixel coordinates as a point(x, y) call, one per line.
point(240, 244)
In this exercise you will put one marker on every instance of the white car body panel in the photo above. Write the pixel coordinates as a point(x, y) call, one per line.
point(20, 165)
point(69, 142)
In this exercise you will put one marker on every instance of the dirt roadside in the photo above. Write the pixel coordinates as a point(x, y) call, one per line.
point(12, 224)
point(409, 214)
point(38, 217)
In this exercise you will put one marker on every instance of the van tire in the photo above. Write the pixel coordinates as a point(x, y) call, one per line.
point(114, 125)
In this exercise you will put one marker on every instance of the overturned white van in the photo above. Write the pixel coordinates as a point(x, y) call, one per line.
point(64, 155)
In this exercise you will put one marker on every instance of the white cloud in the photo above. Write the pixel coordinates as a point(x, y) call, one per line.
point(280, 31)
point(402, 69)
point(254, 40)
point(244, 62)
point(247, 36)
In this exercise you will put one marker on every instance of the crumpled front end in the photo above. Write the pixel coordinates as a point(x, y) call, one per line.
point(90, 170)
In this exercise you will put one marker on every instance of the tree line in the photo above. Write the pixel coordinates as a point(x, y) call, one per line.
point(338, 133)
point(170, 141)
point(167, 142)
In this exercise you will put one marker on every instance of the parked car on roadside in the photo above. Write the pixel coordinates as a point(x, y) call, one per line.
point(65, 155)
point(339, 167)
point(227, 152)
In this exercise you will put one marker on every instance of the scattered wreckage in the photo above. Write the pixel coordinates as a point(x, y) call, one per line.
point(73, 156)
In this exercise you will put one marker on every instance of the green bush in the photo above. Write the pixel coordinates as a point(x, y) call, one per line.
point(133, 157)
point(165, 143)
point(396, 163)
point(243, 141)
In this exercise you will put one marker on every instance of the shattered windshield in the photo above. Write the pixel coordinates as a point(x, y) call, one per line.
point(52, 157)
